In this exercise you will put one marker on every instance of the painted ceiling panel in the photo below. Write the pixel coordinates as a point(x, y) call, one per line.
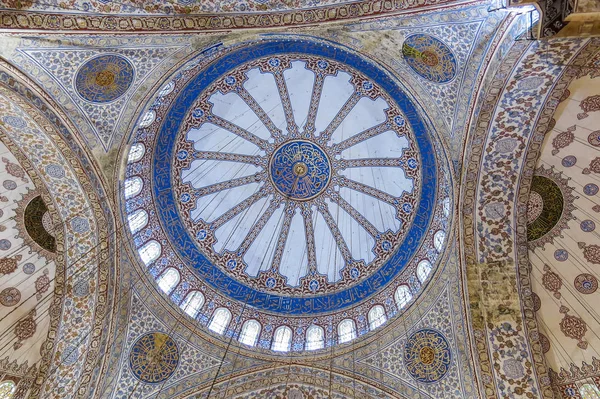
point(565, 212)
point(179, 6)
point(27, 269)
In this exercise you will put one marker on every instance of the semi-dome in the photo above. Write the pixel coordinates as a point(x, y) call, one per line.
point(290, 181)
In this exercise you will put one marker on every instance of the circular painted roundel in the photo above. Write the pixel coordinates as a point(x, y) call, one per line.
point(427, 355)
point(154, 357)
point(104, 78)
point(291, 175)
point(430, 58)
point(299, 170)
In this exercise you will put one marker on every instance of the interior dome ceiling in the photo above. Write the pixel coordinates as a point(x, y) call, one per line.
point(290, 176)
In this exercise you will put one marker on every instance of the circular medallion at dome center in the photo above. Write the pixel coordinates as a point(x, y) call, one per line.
point(300, 170)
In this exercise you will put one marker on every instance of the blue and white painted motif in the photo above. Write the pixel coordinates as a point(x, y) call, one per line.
point(217, 207)
point(430, 58)
point(300, 170)
point(104, 79)
point(238, 114)
point(427, 356)
point(154, 357)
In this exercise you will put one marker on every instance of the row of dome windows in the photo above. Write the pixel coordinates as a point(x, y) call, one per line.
point(282, 338)
point(251, 328)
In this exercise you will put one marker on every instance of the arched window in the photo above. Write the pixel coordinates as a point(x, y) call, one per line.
point(446, 206)
point(133, 186)
point(150, 252)
point(346, 331)
point(423, 270)
point(137, 220)
point(315, 338)
point(7, 389)
point(168, 280)
point(402, 296)
point(148, 118)
point(168, 88)
point(438, 240)
point(589, 391)
point(250, 332)
point(376, 316)
point(136, 152)
point(220, 320)
point(282, 339)
point(193, 303)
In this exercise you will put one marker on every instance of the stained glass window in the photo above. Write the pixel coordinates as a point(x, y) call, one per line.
point(376, 316)
point(148, 118)
point(168, 280)
point(250, 332)
point(282, 340)
point(7, 389)
point(423, 270)
point(589, 391)
point(137, 220)
point(346, 331)
point(133, 186)
point(136, 152)
point(438, 240)
point(315, 338)
point(402, 296)
point(150, 252)
point(220, 320)
point(193, 303)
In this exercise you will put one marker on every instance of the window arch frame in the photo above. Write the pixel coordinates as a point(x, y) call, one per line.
point(144, 249)
point(135, 153)
point(278, 346)
point(147, 119)
point(446, 206)
point(425, 263)
point(243, 334)
point(163, 276)
point(347, 336)
point(437, 234)
point(379, 321)
point(315, 345)
point(190, 296)
point(131, 221)
point(220, 328)
point(401, 304)
point(134, 192)
point(167, 89)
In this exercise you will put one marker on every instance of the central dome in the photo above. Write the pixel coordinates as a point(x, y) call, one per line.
point(298, 174)
point(292, 177)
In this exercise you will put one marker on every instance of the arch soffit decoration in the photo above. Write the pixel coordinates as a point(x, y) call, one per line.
point(99, 264)
point(41, 315)
point(211, 21)
point(244, 383)
point(495, 307)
